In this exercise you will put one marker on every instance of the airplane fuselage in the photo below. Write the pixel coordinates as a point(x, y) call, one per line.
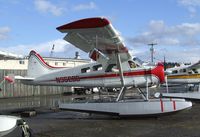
point(97, 78)
point(91, 74)
point(184, 75)
point(184, 79)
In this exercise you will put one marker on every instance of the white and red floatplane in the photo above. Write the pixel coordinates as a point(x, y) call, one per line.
point(114, 68)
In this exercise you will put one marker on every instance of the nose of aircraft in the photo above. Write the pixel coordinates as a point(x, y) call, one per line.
point(159, 72)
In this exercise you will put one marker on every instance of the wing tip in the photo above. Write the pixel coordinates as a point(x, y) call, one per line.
point(95, 22)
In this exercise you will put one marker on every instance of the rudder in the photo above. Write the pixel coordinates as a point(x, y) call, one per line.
point(37, 66)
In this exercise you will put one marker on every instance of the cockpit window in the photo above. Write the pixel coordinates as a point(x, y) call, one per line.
point(132, 64)
point(139, 61)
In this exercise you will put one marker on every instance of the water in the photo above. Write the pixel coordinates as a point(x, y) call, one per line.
point(14, 104)
point(25, 103)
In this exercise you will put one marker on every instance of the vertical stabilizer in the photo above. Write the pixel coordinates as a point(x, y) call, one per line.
point(37, 66)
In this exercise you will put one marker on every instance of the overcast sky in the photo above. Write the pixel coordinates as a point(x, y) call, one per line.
point(173, 24)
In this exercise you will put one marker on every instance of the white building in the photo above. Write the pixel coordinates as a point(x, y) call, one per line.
point(18, 62)
point(22, 64)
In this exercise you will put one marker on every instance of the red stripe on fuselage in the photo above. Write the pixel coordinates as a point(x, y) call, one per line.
point(112, 75)
point(115, 75)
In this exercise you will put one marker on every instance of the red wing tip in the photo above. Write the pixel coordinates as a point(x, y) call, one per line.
point(7, 78)
point(85, 23)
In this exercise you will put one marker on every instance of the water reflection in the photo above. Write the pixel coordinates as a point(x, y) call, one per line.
point(32, 102)
point(15, 104)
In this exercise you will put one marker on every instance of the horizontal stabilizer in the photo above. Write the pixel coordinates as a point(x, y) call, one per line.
point(24, 78)
point(11, 78)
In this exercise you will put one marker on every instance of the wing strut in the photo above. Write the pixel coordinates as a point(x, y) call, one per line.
point(123, 89)
point(199, 87)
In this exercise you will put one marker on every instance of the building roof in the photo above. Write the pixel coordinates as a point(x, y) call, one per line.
point(8, 55)
point(64, 59)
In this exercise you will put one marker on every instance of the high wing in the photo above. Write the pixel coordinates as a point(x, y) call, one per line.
point(195, 65)
point(97, 37)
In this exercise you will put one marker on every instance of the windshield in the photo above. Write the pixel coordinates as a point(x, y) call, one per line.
point(136, 59)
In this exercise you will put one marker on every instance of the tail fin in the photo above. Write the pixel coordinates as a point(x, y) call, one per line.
point(37, 66)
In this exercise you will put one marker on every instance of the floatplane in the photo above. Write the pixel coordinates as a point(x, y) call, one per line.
point(114, 67)
point(184, 75)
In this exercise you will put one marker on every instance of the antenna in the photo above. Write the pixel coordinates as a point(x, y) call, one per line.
point(52, 51)
point(152, 50)
point(165, 64)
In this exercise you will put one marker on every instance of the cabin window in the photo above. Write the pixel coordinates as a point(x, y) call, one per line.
point(85, 70)
point(56, 63)
point(21, 62)
point(190, 72)
point(194, 70)
point(97, 67)
point(132, 64)
point(64, 64)
point(174, 72)
point(182, 70)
